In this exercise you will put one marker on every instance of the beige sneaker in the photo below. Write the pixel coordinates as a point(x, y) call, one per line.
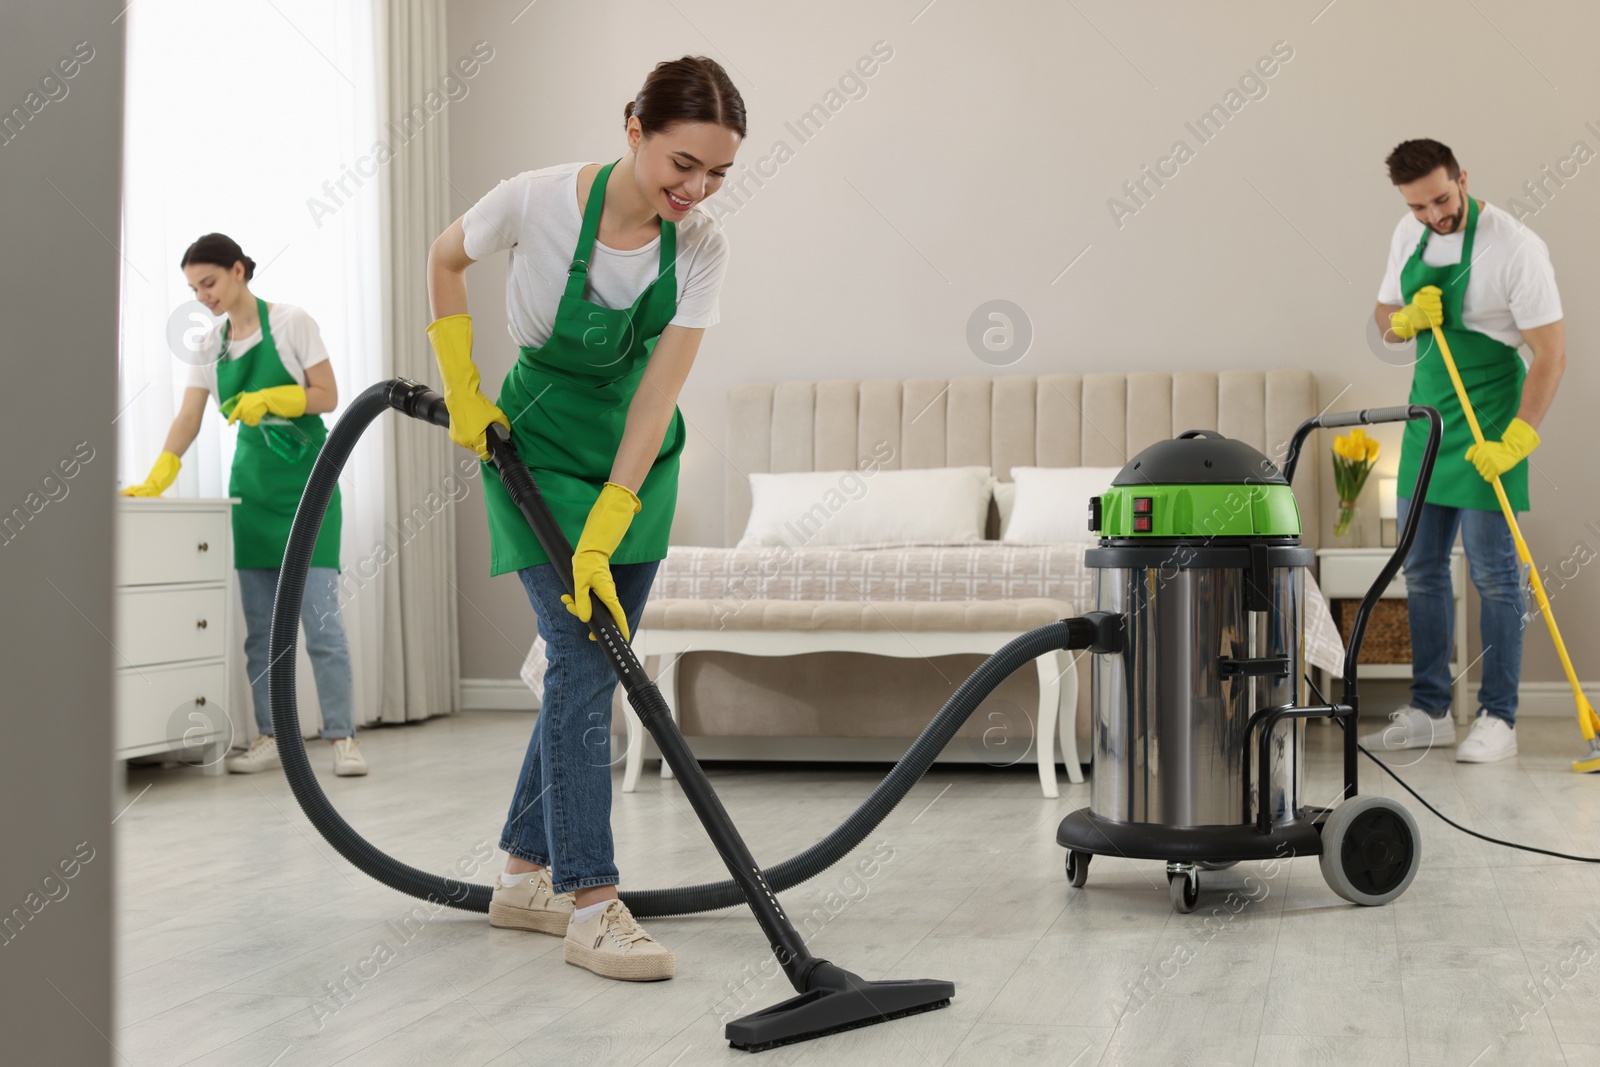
point(262, 755)
point(532, 904)
point(613, 945)
point(347, 758)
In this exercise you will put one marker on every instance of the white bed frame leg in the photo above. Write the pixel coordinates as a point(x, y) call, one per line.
point(635, 757)
point(1069, 718)
point(1049, 667)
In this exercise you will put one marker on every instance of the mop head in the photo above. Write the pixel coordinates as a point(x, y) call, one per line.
point(1590, 763)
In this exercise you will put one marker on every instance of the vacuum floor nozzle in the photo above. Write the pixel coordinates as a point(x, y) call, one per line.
point(1590, 763)
point(835, 1001)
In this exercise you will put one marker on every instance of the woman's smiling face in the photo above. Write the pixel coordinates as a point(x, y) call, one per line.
point(216, 287)
point(682, 165)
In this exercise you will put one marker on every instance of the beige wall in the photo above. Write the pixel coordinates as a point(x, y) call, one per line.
point(979, 164)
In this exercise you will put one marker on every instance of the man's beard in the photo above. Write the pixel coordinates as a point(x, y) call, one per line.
point(1455, 223)
point(1454, 220)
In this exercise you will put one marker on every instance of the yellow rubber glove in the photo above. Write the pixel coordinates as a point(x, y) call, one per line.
point(286, 400)
point(1494, 458)
point(470, 411)
point(591, 562)
point(1425, 311)
point(162, 475)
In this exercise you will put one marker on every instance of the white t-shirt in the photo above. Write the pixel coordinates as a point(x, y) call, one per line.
point(536, 215)
point(1512, 286)
point(294, 332)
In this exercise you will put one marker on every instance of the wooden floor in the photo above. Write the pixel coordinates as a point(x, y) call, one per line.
point(237, 919)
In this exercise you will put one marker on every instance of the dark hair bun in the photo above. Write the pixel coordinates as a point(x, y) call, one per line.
point(219, 250)
point(691, 89)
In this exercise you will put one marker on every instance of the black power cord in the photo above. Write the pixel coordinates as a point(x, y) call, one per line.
point(1471, 833)
point(1482, 837)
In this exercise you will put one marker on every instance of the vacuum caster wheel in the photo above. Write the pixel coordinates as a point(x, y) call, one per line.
point(1183, 884)
point(1078, 868)
point(1370, 850)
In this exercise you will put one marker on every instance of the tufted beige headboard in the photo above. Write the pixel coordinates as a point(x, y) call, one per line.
point(1055, 420)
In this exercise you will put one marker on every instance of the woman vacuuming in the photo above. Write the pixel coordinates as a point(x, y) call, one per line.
point(614, 277)
point(268, 370)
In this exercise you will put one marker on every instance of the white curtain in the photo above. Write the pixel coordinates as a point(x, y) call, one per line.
point(252, 120)
point(428, 476)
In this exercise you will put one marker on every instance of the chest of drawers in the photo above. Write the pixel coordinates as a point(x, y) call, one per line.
point(174, 610)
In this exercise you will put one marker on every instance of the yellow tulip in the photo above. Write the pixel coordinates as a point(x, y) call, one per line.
point(1341, 447)
point(1372, 451)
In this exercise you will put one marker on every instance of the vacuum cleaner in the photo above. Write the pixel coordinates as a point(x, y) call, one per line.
point(1198, 753)
point(1197, 718)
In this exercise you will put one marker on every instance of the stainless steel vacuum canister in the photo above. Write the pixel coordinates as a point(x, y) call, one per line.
point(1200, 555)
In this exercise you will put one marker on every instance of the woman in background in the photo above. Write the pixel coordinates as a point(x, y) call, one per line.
point(267, 368)
point(614, 277)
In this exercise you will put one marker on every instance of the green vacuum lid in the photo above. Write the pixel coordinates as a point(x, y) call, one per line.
point(1199, 484)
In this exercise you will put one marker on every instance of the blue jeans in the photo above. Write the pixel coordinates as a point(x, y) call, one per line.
point(325, 643)
point(1499, 575)
point(560, 816)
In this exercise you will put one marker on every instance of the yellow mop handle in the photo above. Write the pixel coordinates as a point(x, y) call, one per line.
point(1588, 721)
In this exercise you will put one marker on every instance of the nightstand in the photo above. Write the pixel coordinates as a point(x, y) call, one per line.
point(1347, 573)
point(174, 608)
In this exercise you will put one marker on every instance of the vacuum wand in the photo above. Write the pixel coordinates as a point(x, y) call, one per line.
point(830, 998)
point(1588, 721)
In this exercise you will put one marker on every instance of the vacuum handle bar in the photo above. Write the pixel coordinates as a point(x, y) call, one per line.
point(1366, 417)
point(1408, 533)
point(1430, 453)
point(1361, 417)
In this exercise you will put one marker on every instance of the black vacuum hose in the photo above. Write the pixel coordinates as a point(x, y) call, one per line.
point(1099, 631)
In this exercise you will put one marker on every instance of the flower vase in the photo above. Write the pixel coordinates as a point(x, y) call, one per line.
point(1347, 528)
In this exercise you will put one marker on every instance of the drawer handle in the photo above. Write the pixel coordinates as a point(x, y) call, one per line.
point(204, 547)
point(201, 624)
point(200, 700)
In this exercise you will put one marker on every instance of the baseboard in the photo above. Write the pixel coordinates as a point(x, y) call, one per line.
point(496, 694)
point(1551, 699)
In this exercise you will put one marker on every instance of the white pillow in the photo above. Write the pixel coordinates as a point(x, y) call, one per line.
point(1052, 503)
point(811, 508)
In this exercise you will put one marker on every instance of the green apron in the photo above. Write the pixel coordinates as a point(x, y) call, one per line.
point(568, 403)
point(267, 485)
point(1492, 373)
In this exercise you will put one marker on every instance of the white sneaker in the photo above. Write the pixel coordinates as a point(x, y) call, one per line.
point(1490, 739)
point(532, 904)
point(262, 755)
point(347, 758)
point(613, 945)
point(1412, 728)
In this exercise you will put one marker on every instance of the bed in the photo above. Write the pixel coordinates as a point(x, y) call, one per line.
point(844, 651)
